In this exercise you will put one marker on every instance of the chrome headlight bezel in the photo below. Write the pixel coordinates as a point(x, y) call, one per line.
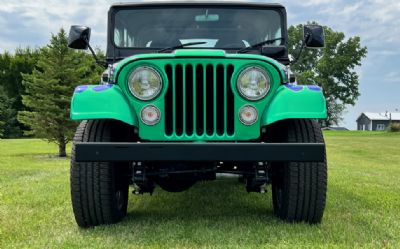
point(153, 71)
point(263, 73)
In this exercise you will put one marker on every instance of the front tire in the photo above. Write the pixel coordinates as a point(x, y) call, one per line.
point(299, 188)
point(99, 190)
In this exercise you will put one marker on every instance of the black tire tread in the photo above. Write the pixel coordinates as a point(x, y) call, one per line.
point(304, 183)
point(93, 183)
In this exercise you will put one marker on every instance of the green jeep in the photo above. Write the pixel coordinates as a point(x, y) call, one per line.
point(192, 90)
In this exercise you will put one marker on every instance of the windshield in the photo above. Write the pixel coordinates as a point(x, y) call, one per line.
point(217, 27)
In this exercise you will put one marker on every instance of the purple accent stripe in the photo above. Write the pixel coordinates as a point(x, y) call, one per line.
point(80, 89)
point(101, 88)
point(294, 88)
point(314, 88)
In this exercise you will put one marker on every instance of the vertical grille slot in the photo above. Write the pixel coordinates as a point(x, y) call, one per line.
point(199, 100)
point(179, 105)
point(168, 103)
point(190, 98)
point(220, 100)
point(230, 109)
point(209, 114)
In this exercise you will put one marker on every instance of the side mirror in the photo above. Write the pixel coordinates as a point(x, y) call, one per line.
point(79, 37)
point(314, 36)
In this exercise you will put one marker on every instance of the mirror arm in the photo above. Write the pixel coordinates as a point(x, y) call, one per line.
point(303, 44)
point(101, 63)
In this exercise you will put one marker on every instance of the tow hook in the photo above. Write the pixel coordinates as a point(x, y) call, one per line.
point(259, 180)
point(141, 184)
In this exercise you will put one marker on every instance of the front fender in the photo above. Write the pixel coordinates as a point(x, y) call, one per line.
point(102, 102)
point(295, 101)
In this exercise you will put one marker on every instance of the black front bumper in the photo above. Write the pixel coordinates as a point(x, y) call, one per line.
point(200, 152)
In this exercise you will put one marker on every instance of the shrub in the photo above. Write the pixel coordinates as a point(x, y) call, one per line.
point(394, 127)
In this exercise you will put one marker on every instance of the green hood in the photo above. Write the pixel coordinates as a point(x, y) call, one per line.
point(200, 53)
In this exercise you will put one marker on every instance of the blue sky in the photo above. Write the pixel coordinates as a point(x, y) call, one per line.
point(30, 22)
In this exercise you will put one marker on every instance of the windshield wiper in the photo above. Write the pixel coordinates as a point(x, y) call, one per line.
point(246, 49)
point(181, 46)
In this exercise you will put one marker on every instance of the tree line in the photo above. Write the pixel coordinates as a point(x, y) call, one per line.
point(12, 66)
point(36, 85)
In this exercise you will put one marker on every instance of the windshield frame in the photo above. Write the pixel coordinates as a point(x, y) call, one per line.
point(115, 53)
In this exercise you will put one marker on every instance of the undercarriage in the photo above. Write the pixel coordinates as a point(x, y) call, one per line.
point(177, 177)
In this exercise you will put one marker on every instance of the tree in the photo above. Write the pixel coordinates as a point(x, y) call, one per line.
point(7, 114)
point(49, 88)
point(333, 68)
point(11, 68)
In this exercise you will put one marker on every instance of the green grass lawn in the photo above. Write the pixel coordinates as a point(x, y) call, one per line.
point(363, 206)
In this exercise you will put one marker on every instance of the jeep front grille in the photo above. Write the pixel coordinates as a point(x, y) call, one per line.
point(199, 100)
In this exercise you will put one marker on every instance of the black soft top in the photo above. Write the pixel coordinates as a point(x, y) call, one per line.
point(191, 3)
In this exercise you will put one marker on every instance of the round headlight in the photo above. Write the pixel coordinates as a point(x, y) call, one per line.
point(145, 83)
point(253, 83)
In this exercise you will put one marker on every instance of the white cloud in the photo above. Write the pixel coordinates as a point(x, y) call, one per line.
point(393, 77)
point(24, 23)
point(316, 2)
point(6, 46)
